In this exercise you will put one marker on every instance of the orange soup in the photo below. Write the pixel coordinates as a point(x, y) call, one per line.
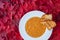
point(34, 28)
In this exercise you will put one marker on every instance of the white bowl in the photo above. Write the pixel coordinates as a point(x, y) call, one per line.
point(23, 21)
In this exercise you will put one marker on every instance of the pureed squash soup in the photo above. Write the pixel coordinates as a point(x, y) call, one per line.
point(34, 28)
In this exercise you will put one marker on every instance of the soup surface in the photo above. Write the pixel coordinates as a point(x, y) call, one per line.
point(34, 28)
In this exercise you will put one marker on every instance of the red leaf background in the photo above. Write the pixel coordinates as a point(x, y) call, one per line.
point(11, 12)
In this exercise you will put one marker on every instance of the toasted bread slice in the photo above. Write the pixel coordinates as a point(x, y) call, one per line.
point(47, 21)
point(51, 23)
point(46, 25)
point(47, 16)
